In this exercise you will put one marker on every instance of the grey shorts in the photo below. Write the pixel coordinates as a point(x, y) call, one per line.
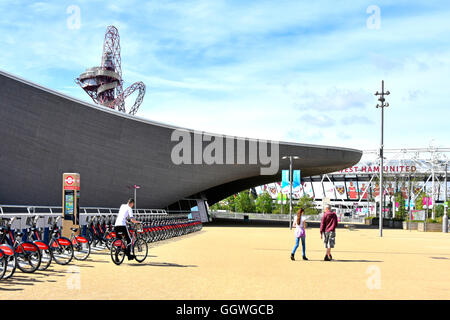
point(329, 239)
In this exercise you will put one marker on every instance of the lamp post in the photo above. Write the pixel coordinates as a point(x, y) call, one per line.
point(445, 217)
point(290, 187)
point(135, 187)
point(382, 106)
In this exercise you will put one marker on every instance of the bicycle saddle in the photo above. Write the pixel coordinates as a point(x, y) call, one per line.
point(74, 229)
point(19, 234)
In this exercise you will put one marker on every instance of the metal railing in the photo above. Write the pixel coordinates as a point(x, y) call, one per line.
point(24, 212)
point(278, 217)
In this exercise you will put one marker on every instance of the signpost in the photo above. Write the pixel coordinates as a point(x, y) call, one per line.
point(70, 202)
point(445, 217)
point(135, 187)
point(290, 186)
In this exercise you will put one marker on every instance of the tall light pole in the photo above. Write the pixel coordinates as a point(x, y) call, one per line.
point(445, 217)
point(135, 187)
point(290, 187)
point(433, 186)
point(382, 106)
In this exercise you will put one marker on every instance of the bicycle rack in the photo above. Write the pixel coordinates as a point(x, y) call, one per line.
point(86, 214)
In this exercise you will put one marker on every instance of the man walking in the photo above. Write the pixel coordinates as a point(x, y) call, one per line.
point(327, 230)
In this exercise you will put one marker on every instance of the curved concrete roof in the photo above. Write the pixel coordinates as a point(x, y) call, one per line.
point(44, 133)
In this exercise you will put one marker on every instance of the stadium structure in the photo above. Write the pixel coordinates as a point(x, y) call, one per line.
point(414, 173)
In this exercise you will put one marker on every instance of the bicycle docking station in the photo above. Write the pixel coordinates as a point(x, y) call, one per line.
point(70, 203)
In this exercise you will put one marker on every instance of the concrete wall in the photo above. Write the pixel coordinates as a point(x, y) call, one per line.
point(44, 133)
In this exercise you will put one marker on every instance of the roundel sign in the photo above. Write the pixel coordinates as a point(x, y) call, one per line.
point(70, 180)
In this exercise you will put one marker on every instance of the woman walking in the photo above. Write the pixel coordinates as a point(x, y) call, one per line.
point(300, 225)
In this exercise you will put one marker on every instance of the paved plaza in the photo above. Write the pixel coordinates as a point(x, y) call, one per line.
point(245, 262)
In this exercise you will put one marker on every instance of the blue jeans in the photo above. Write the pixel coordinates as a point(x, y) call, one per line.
point(303, 245)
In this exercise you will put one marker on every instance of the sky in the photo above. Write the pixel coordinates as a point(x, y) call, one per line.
point(297, 71)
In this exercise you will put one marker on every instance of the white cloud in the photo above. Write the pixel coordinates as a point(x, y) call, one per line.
point(257, 69)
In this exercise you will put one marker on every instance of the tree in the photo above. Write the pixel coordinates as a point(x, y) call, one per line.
point(231, 203)
point(439, 210)
point(307, 204)
point(304, 202)
point(419, 200)
point(401, 213)
point(216, 206)
point(244, 202)
point(264, 203)
point(277, 208)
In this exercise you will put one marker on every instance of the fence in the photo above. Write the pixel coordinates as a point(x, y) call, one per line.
point(277, 217)
point(26, 214)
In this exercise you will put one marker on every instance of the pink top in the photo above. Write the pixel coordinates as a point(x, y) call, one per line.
point(299, 229)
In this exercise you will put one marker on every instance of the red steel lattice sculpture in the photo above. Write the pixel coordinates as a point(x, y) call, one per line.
point(104, 84)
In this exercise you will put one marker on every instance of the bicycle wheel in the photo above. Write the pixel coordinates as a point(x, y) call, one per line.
point(108, 239)
point(46, 255)
point(117, 251)
point(28, 257)
point(10, 260)
point(46, 259)
point(140, 250)
point(3, 264)
point(62, 250)
point(89, 236)
point(81, 248)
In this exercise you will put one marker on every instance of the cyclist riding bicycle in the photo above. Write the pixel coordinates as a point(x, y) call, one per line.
point(125, 212)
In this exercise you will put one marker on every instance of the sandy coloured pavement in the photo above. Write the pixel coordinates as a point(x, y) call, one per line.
point(223, 262)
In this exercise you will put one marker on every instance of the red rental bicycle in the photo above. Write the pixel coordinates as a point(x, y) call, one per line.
point(3, 264)
point(11, 261)
point(138, 247)
point(33, 235)
point(81, 246)
point(61, 247)
point(28, 255)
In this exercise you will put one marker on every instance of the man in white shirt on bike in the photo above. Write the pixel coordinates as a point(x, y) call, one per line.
point(125, 212)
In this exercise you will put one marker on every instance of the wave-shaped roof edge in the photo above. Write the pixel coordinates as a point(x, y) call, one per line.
point(149, 121)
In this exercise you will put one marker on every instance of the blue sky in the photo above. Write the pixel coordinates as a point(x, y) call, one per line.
point(297, 71)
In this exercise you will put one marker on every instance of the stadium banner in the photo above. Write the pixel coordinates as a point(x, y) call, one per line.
point(329, 189)
point(318, 190)
point(272, 189)
point(308, 187)
point(352, 191)
point(341, 193)
point(427, 203)
point(296, 179)
point(285, 181)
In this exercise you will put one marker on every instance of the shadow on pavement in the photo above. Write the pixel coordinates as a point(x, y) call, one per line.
point(11, 289)
point(97, 261)
point(289, 249)
point(222, 222)
point(163, 264)
point(334, 260)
